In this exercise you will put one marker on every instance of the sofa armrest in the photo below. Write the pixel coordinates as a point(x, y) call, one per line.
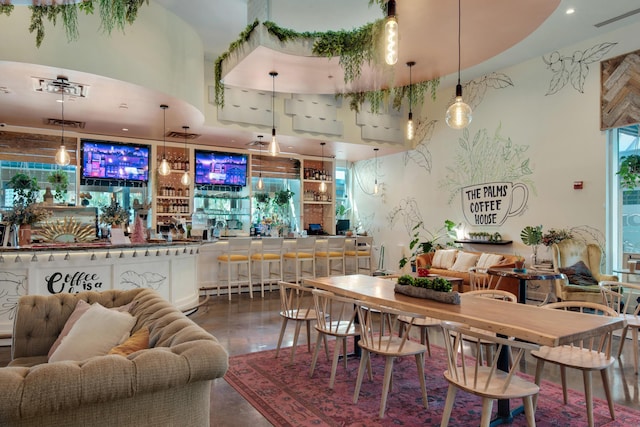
point(37, 391)
point(605, 277)
point(424, 260)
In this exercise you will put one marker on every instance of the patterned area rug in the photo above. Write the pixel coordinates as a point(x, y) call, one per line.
point(286, 396)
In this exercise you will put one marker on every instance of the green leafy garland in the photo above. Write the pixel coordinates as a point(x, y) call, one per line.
point(354, 48)
point(113, 13)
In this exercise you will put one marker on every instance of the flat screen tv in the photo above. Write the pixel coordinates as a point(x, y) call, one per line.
point(110, 160)
point(218, 168)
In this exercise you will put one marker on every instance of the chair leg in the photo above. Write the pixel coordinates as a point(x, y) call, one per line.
point(529, 412)
point(622, 340)
point(424, 339)
point(634, 335)
point(588, 396)
point(364, 358)
point(607, 391)
point(295, 340)
point(388, 371)
point(334, 365)
point(487, 406)
point(282, 329)
point(308, 322)
point(229, 281)
point(563, 379)
point(423, 386)
point(314, 359)
point(448, 405)
point(539, 368)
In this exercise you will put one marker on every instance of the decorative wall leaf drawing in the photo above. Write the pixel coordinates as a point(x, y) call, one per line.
point(133, 280)
point(365, 176)
point(473, 92)
point(12, 287)
point(486, 158)
point(407, 212)
point(574, 68)
point(421, 154)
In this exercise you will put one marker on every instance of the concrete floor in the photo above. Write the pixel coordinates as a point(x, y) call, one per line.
point(246, 325)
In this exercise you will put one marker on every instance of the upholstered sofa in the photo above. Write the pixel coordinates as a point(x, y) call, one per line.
point(167, 384)
point(580, 262)
point(499, 260)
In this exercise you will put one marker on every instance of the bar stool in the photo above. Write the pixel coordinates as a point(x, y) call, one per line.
point(359, 250)
point(331, 251)
point(270, 255)
point(236, 256)
point(303, 253)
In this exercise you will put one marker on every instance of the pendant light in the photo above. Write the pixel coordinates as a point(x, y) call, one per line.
point(410, 128)
point(391, 34)
point(323, 184)
point(260, 185)
point(375, 185)
point(164, 168)
point(186, 178)
point(458, 114)
point(274, 148)
point(62, 155)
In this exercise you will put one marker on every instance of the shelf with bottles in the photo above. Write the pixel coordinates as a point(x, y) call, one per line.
point(178, 159)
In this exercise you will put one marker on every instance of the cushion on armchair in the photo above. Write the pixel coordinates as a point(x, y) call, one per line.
point(579, 274)
point(464, 261)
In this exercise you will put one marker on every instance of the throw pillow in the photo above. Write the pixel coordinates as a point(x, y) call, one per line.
point(99, 330)
point(138, 341)
point(579, 274)
point(81, 307)
point(489, 260)
point(444, 258)
point(464, 261)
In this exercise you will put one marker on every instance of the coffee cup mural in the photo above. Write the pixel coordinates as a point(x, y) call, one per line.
point(492, 203)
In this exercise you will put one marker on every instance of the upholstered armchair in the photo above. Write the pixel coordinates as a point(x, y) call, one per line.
point(582, 278)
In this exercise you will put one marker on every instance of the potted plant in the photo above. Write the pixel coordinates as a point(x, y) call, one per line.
point(428, 242)
point(24, 216)
point(282, 197)
point(60, 181)
point(629, 171)
point(114, 214)
point(532, 236)
point(25, 189)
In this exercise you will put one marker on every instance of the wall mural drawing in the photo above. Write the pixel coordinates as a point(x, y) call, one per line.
point(365, 174)
point(408, 213)
point(474, 94)
point(574, 68)
point(134, 280)
point(491, 175)
point(12, 287)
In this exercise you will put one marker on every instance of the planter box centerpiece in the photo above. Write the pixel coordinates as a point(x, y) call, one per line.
point(436, 288)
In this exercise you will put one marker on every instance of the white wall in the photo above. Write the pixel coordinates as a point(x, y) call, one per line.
point(558, 136)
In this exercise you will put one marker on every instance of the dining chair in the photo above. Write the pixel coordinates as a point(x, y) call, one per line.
point(303, 256)
point(296, 304)
point(269, 257)
point(378, 339)
point(359, 251)
point(623, 298)
point(235, 257)
point(330, 251)
point(336, 317)
point(465, 372)
point(479, 279)
point(498, 294)
point(587, 355)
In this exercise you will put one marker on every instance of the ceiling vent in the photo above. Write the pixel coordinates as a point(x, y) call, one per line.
point(617, 18)
point(68, 123)
point(61, 83)
point(258, 143)
point(182, 135)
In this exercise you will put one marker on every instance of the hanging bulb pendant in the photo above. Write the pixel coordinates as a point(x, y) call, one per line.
point(391, 34)
point(410, 128)
point(459, 113)
point(164, 168)
point(62, 156)
point(260, 185)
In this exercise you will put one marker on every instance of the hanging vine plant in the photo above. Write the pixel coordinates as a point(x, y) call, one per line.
point(113, 13)
point(353, 48)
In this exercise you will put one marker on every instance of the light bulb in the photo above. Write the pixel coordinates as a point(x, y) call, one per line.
point(375, 188)
point(410, 128)
point(186, 178)
point(164, 168)
point(458, 114)
point(274, 148)
point(260, 185)
point(391, 40)
point(323, 187)
point(62, 156)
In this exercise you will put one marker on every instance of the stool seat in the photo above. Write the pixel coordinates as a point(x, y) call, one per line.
point(236, 259)
point(303, 254)
point(233, 258)
point(269, 258)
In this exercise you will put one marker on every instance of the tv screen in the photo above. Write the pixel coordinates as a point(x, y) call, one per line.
point(217, 168)
point(109, 160)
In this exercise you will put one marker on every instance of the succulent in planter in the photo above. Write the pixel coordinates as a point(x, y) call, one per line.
point(629, 171)
point(60, 181)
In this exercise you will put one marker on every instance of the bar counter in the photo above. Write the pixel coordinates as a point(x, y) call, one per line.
point(169, 268)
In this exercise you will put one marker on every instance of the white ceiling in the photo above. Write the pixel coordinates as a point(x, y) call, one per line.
point(506, 36)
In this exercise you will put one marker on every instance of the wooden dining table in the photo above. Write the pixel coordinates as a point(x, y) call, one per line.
point(525, 322)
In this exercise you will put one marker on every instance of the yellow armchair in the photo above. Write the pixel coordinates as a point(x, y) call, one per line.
point(568, 253)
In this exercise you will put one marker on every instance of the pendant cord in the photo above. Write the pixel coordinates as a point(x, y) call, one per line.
point(459, 44)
